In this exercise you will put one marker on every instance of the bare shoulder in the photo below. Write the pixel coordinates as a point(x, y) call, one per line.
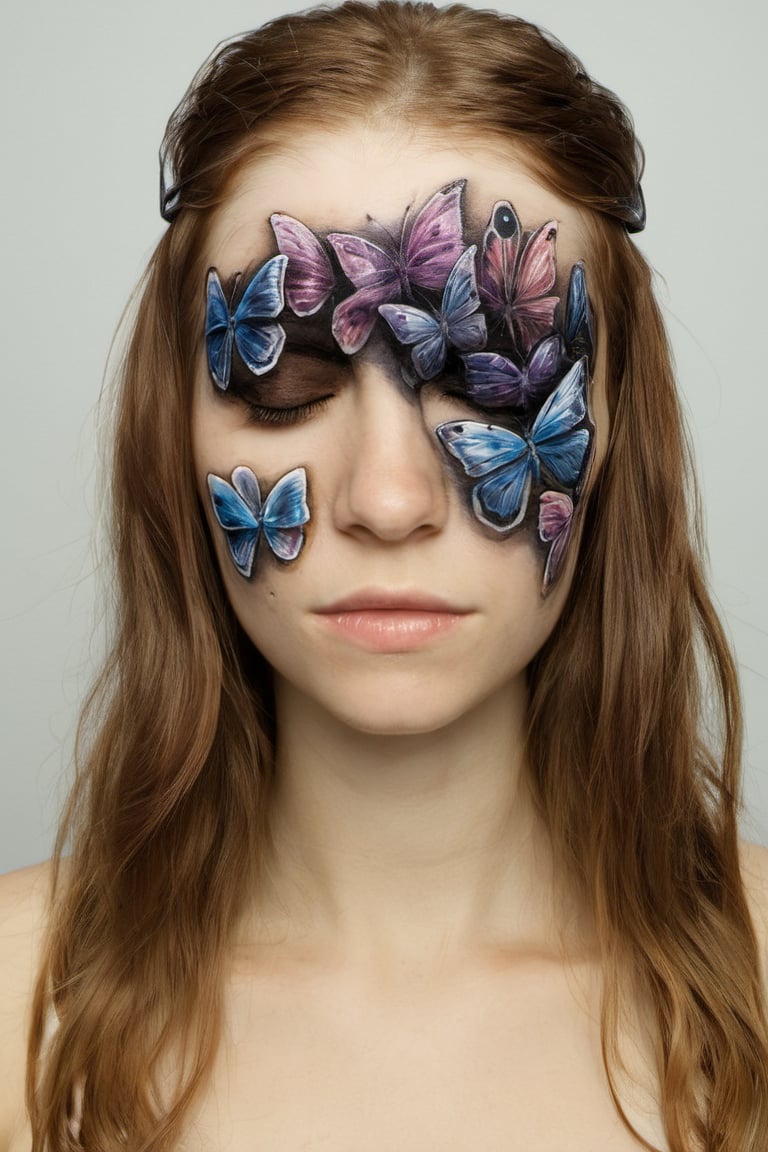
point(754, 872)
point(23, 910)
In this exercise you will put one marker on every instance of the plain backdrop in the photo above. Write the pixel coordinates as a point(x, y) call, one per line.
point(87, 86)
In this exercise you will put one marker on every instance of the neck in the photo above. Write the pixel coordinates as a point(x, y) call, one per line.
point(408, 848)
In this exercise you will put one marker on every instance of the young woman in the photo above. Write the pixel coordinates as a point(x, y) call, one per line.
point(403, 819)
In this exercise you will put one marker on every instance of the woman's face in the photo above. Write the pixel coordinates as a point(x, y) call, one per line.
point(393, 431)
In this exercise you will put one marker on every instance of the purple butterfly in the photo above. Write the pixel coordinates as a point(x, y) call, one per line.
point(427, 251)
point(495, 381)
point(458, 324)
point(309, 275)
point(555, 524)
point(515, 281)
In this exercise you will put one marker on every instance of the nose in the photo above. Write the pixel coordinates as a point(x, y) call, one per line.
point(391, 484)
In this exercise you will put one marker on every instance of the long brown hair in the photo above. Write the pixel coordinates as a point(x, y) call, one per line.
point(167, 823)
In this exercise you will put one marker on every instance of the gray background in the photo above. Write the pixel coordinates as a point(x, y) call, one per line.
point(86, 88)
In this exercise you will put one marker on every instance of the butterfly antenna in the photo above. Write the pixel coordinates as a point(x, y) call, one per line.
point(381, 228)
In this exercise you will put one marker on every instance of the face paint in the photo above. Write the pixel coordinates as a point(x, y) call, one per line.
point(515, 278)
point(510, 463)
point(250, 328)
point(423, 258)
point(456, 325)
point(490, 321)
point(239, 510)
point(555, 523)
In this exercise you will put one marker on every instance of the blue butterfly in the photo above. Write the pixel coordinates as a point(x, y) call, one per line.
point(238, 509)
point(458, 323)
point(249, 327)
point(578, 318)
point(512, 462)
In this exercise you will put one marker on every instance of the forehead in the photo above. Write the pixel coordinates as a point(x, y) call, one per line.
point(348, 180)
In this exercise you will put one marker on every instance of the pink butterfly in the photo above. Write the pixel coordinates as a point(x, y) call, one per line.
point(309, 275)
point(555, 523)
point(516, 282)
point(427, 251)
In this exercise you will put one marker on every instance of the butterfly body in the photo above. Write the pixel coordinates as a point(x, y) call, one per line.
point(249, 327)
point(239, 509)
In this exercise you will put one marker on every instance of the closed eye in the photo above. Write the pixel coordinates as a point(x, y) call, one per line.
point(304, 381)
point(296, 414)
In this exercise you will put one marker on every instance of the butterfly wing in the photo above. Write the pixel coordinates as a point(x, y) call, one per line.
point(494, 380)
point(499, 256)
point(542, 368)
point(374, 274)
point(559, 447)
point(428, 357)
point(537, 271)
point(465, 327)
point(258, 341)
point(412, 326)
point(263, 297)
point(578, 318)
point(285, 513)
point(503, 458)
point(309, 275)
point(365, 263)
point(354, 318)
point(555, 522)
point(435, 240)
point(544, 361)
point(533, 308)
point(218, 332)
point(409, 324)
point(238, 511)
point(504, 495)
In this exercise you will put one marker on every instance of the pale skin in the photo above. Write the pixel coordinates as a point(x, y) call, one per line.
point(412, 977)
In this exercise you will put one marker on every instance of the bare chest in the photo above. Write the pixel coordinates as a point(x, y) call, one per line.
point(506, 1064)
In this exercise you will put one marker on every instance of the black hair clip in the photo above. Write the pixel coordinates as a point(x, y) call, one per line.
point(631, 211)
point(170, 191)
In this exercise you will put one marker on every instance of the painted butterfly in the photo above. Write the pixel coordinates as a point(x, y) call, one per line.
point(578, 317)
point(309, 275)
point(458, 324)
point(509, 463)
point(238, 509)
point(495, 381)
point(555, 524)
point(427, 251)
point(250, 327)
point(516, 282)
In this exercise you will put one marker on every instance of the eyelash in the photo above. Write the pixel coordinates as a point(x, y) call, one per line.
point(298, 413)
point(258, 414)
point(462, 397)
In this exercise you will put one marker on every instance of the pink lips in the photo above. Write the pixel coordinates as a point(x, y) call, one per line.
point(383, 621)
